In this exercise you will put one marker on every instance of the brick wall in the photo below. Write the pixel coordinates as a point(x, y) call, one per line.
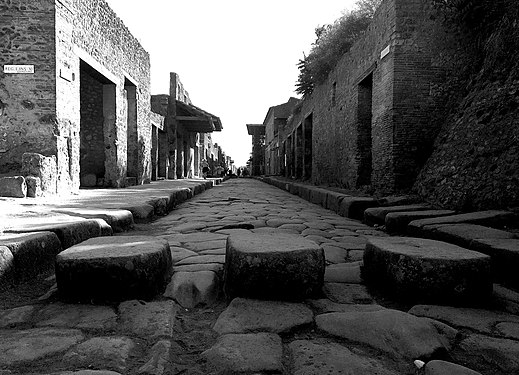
point(27, 116)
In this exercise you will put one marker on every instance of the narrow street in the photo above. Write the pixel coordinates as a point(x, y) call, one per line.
point(192, 329)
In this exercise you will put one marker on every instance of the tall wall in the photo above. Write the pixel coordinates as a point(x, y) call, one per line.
point(27, 101)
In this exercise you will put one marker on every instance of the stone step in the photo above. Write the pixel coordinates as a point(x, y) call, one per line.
point(284, 266)
point(396, 222)
point(114, 268)
point(377, 215)
point(427, 271)
point(491, 218)
point(505, 258)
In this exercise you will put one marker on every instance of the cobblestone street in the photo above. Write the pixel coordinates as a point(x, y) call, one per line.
point(193, 329)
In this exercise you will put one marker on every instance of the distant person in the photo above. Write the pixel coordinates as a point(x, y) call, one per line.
point(205, 168)
point(238, 172)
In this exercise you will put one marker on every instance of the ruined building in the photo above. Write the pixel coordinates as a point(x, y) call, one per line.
point(184, 141)
point(257, 162)
point(371, 123)
point(75, 88)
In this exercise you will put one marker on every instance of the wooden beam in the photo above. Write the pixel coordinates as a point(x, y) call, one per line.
point(191, 118)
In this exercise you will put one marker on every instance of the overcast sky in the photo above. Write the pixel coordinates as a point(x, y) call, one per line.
point(236, 58)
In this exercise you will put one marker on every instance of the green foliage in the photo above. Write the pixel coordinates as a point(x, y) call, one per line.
point(332, 42)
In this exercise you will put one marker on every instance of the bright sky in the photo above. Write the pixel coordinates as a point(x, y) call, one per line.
point(236, 58)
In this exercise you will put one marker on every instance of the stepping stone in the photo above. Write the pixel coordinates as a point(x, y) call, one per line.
point(179, 253)
point(491, 218)
point(396, 222)
point(463, 234)
point(14, 187)
point(248, 315)
point(354, 207)
point(429, 271)
point(191, 289)
point(16, 316)
point(249, 352)
point(377, 215)
point(438, 367)
point(201, 259)
point(33, 344)
point(333, 359)
point(322, 306)
point(119, 220)
point(114, 268)
point(505, 258)
point(285, 266)
point(334, 254)
point(395, 332)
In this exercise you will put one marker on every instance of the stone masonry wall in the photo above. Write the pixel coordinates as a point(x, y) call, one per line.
point(89, 30)
point(27, 101)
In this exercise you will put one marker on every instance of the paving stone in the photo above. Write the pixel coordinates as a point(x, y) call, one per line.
point(215, 267)
point(14, 187)
point(489, 352)
point(114, 268)
point(377, 215)
point(505, 258)
point(508, 330)
point(89, 372)
point(249, 352)
point(206, 245)
point(158, 359)
point(400, 334)
point(202, 259)
point(247, 315)
point(29, 345)
point(476, 319)
point(347, 293)
point(322, 306)
point(148, 319)
point(319, 239)
point(110, 353)
point(334, 254)
point(191, 289)
point(355, 255)
point(77, 316)
point(312, 358)
point(339, 233)
point(296, 227)
point(194, 237)
point(321, 226)
point(179, 253)
point(396, 222)
point(317, 232)
point(188, 227)
point(438, 367)
point(275, 223)
point(285, 267)
point(343, 273)
point(16, 316)
point(350, 242)
point(428, 271)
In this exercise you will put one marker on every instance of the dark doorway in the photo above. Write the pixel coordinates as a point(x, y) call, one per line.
point(132, 144)
point(308, 126)
point(97, 98)
point(364, 139)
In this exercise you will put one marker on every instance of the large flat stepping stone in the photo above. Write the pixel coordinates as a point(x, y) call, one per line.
point(438, 367)
point(491, 218)
point(247, 315)
point(505, 258)
point(249, 352)
point(32, 344)
point(114, 268)
point(395, 332)
point(354, 207)
point(284, 266)
point(312, 358)
point(89, 317)
point(428, 271)
point(396, 222)
point(119, 220)
point(377, 215)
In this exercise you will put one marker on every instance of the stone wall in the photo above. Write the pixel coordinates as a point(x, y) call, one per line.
point(27, 101)
point(370, 119)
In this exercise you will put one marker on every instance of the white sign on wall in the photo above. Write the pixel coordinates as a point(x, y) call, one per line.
point(19, 69)
point(385, 52)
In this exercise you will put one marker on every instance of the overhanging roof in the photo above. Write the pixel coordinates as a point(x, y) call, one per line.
point(256, 129)
point(196, 120)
